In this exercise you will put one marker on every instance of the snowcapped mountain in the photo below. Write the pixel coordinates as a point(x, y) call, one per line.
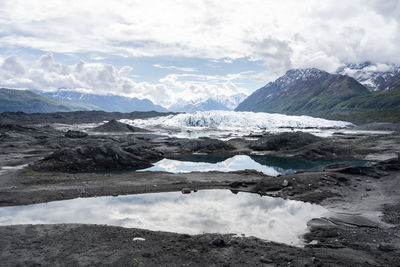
point(303, 91)
point(110, 103)
point(376, 77)
point(236, 121)
point(231, 102)
point(209, 104)
point(333, 96)
point(215, 103)
point(294, 75)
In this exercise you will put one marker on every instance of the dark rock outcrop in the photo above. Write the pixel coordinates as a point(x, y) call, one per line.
point(108, 156)
point(76, 134)
point(205, 145)
point(283, 141)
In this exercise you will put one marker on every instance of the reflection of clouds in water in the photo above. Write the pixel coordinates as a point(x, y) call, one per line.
point(208, 211)
point(239, 162)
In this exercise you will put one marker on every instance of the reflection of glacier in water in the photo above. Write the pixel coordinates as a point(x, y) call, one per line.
point(235, 163)
point(267, 165)
point(208, 211)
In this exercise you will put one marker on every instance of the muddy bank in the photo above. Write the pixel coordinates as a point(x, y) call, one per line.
point(27, 186)
point(95, 245)
point(355, 236)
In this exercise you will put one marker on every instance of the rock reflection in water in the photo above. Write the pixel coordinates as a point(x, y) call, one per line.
point(208, 211)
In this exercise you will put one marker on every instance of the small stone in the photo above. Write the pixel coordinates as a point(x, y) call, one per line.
point(285, 183)
point(76, 134)
point(218, 242)
point(265, 260)
point(138, 239)
point(386, 247)
point(236, 184)
point(146, 255)
point(186, 190)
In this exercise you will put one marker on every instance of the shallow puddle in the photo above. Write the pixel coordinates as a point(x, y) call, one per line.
point(268, 165)
point(206, 211)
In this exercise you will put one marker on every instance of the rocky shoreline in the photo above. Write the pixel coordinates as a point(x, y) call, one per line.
point(363, 229)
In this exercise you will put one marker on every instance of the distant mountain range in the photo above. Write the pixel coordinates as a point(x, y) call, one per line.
point(356, 92)
point(209, 104)
point(108, 103)
point(65, 100)
point(215, 103)
point(334, 96)
point(29, 102)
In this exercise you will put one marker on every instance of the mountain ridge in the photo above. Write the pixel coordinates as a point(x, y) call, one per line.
point(13, 100)
point(318, 93)
point(109, 103)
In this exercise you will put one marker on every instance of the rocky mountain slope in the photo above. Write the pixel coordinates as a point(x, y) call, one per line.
point(306, 91)
point(318, 93)
point(29, 102)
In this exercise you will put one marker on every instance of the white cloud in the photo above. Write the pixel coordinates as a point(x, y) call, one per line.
point(12, 66)
point(48, 74)
point(284, 34)
point(175, 68)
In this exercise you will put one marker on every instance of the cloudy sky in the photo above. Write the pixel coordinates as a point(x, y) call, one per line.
point(183, 50)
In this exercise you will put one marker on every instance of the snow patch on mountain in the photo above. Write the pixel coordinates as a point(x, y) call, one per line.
point(295, 75)
point(372, 76)
point(231, 102)
point(236, 121)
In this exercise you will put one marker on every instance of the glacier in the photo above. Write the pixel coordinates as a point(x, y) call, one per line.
point(235, 121)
